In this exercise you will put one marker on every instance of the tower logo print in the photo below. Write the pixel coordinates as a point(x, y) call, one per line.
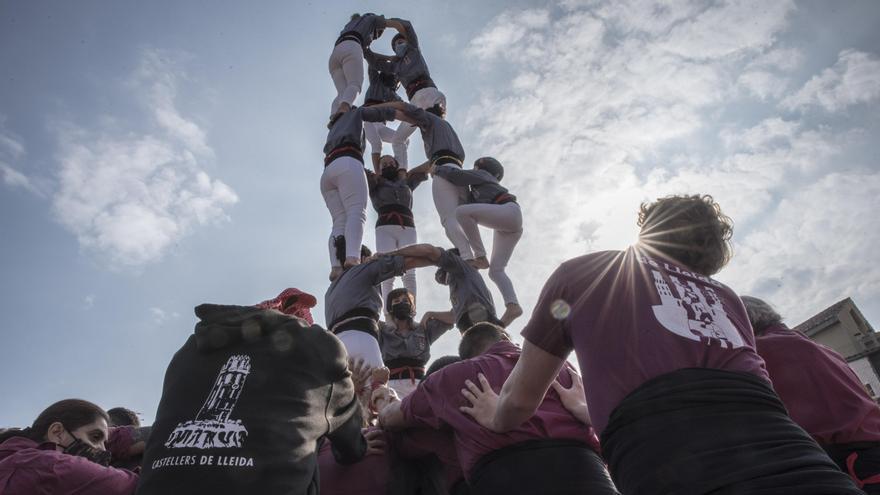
point(694, 312)
point(212, 427)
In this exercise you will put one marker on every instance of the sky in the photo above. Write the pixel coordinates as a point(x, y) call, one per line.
point(158, 155)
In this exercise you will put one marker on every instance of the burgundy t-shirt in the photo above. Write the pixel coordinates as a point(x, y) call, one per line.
point(369, 476)
point(435, 403)
point(821, 392)
point(420, 442)
point(631, 318)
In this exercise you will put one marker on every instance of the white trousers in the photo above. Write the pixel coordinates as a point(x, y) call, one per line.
point(362, 345)
point(344, 187)
point(404, 386)
point(377, 132)
point(389, 238)
point(447, 197)
point(347, 71)
point(506, 221)
point(424, 98)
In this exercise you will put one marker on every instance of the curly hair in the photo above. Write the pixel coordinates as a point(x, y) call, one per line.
point(691, 230)
point(761, 314)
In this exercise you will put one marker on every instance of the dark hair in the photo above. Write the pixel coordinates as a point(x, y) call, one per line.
point(440, 363)
point(354, 16)
point(440, 274)
point(691, 230)
point(761, 315)
point(437, 110)
point(480, 337)
point(339, 246)
point(394, 294)
point(121, 416)
point(397, 37)
point(72, 413)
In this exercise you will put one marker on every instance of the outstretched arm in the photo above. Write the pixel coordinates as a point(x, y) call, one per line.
point(458, 176)
point(426, 251)
point(521, 394)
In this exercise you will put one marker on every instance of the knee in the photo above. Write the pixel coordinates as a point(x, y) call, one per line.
point(496, 272)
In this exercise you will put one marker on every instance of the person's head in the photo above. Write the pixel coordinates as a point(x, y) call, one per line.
point(389, 168)
point(121, 416)
point(479, 338)
point(691, 230)
point(75, 426)
point(440, 276)
point(761, 315)
point(399, 44)
point(401, 304)
point(438, 110)
point(440, 363)
point(339, 245)
point(490, 165)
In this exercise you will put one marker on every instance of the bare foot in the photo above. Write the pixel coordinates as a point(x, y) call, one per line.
point(335, 272)
point(480, 263)
point(350, 262)
point(379, 377)
point(512, 312)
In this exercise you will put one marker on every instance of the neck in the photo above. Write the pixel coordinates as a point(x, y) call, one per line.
point(403, 324)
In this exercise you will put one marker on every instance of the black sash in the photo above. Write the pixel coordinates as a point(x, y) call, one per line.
point(360, 319)
point(420, 83)
point(348, 150)
point(546, 466)
point(699, 431)
point(395, 215)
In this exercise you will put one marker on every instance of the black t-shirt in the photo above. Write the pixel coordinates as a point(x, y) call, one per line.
point(244, 403)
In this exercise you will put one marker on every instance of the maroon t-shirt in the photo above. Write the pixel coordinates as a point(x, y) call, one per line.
point(631, 318)
point(420, 442)
point(369, 476)
point(435, 404)
point(821, 392)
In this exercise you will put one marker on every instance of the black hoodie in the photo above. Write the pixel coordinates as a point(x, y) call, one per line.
point(244, 403)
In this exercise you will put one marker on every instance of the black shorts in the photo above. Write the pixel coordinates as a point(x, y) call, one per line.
point(702, 431)
point(546, 467)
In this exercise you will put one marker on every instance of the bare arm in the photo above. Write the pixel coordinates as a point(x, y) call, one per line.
point(423, 168)
point(426, 251)
point(447, 317)
point(521, 394)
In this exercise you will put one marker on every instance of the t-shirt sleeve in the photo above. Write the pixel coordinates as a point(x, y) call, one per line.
point(414, 179)
point(419, 116)
point(549, 325)
point(451, 263)
point(91, 478)
point(428, 404)
point(385, 267)
point(435, 328)
point(458, 176)
point(377, 114)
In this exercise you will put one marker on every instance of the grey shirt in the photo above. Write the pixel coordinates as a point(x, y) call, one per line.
point(437, 134)
point(414, 345)
point(348, 130)
point(365, 26)
point(384, 192)
point(382, 88)
point(467, 290)
point(358, 287)
point(483, 186)
point(410, 65)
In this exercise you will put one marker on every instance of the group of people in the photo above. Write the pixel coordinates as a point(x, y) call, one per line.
point(684, 387)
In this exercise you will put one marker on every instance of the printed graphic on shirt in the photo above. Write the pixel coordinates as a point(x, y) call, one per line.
point(694, 312)
point(212, 427)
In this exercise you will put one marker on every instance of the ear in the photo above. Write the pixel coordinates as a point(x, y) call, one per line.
point(56, 433)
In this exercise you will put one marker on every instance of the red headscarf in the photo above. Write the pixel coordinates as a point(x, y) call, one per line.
point(292, 302)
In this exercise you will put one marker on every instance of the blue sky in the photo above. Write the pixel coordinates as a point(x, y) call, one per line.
point(156, 155)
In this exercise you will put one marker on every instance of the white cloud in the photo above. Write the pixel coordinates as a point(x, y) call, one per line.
point(159, 315)
point(854, 78)
point(89, 301)
point(132, 196)
point(627, 102)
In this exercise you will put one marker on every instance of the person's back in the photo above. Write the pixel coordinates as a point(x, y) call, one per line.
point(244, 403)
point(551, 452)
point(822, 394)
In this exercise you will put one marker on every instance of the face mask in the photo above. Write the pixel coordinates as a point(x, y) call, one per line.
point(400, 49)
point(389, 173)
point(402, 310)
point(81, 449)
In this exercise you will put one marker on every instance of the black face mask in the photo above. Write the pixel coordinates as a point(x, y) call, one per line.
point(389, 173)
point(402, 310)
point(81, 449)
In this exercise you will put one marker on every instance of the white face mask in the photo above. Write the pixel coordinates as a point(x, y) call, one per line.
point(400, 49)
